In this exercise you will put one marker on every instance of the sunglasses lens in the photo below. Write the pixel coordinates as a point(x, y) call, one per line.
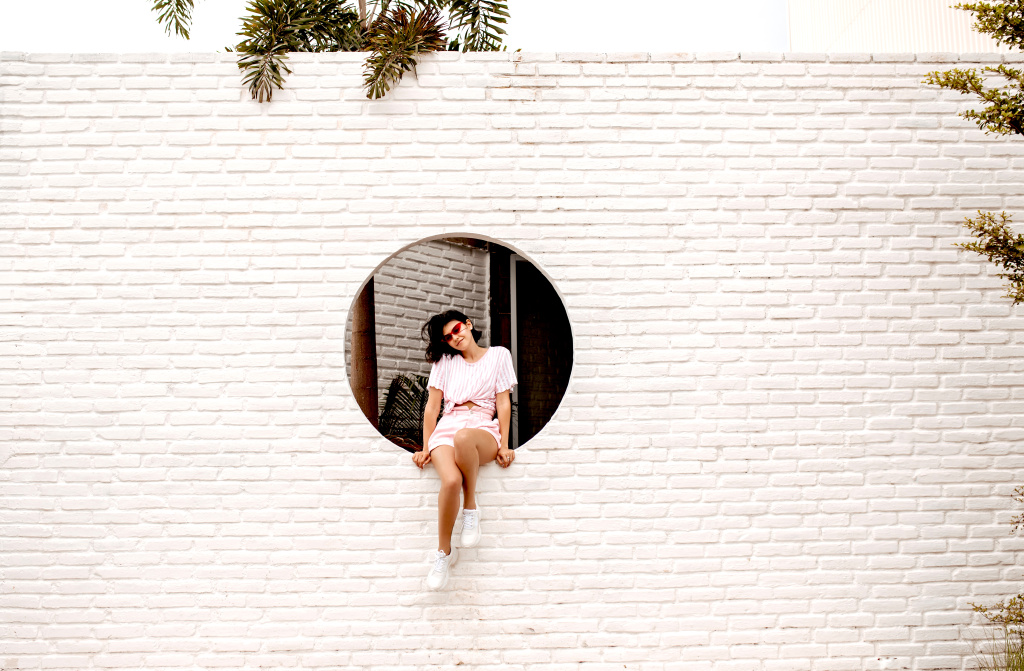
point(455, 331)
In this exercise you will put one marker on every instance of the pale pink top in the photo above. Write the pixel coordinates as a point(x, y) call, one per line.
point(479, 382)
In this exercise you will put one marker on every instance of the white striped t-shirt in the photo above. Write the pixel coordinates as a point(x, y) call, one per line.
point(478, 382)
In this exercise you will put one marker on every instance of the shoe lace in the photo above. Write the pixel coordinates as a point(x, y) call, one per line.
point(468, 519)
point(440, 562)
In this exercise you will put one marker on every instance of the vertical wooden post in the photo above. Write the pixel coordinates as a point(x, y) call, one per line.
point(364, 353)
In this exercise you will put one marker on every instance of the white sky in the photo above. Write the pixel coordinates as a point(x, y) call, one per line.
point(113, 26)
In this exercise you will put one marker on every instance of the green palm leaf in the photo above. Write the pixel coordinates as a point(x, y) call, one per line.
point(479, 24)
point(176, 15)
point(274, 28)
point(396, 34)
point(332, 26)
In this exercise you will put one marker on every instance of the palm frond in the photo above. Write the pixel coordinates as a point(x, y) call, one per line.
point(274, 28)
point(478, 24)
point(395, 39)
point(333, 25)
point(269, 34)
point(397, 33)
point(263, 72)
point(401, 420)
point(410, 6)
point(174, 15)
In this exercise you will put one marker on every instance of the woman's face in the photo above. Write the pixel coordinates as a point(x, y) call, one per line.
point(458, 335)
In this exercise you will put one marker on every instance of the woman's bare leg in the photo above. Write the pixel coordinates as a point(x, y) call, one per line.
point(443, 458)
point(472, 448)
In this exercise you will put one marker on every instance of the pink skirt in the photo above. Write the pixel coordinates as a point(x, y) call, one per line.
point(462, 417)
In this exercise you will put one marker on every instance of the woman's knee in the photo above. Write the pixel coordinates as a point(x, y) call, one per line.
point(451, 482)
point(464, 444)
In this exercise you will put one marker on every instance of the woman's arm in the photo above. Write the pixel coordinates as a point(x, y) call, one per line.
point(434, 398)
point(503, 404)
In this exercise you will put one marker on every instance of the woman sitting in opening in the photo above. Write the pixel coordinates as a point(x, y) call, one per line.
point(475, 384)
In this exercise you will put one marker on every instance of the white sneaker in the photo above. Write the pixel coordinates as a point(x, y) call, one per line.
point(470, 528)
point(438, 576)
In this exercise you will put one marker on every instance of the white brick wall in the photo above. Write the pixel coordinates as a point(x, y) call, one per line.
point(791, 434)
point(414, 285)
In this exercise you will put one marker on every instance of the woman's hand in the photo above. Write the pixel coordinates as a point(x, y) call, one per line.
point(505, 457)
point(421, 458)
point(503, 406)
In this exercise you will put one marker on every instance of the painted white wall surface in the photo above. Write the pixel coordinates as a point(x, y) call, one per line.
point(789, 442)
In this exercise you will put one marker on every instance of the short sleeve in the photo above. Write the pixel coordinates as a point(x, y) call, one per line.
point(437, 374)
point(505, 376)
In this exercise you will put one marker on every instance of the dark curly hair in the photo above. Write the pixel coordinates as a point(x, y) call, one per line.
point(433, 334)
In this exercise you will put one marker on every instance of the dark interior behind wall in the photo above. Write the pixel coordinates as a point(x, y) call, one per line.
point(501, 297)
point(544, 340)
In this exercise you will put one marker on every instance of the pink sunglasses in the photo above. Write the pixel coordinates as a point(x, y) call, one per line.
point(455, 331)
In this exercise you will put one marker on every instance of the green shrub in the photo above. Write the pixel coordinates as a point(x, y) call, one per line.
point(1000, 245)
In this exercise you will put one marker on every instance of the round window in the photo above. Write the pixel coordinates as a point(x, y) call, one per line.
point(510, 304)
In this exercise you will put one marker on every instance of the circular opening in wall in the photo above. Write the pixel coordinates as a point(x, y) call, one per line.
point(505, 296)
